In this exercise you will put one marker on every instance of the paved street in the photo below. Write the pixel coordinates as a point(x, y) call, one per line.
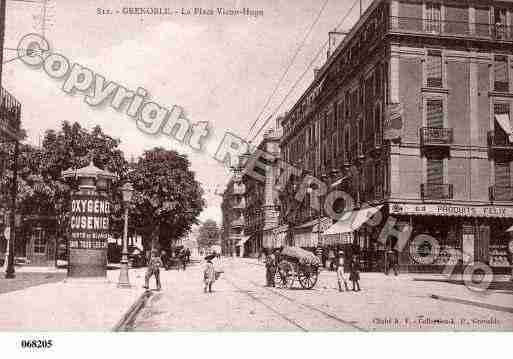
point(241, 302)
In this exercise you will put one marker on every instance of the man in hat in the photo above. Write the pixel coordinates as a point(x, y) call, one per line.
point(154, 264)
point(341, 274)
point(270, 269)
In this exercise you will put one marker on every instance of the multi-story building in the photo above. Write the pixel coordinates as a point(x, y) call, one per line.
point(413, 109)
point(250, 203)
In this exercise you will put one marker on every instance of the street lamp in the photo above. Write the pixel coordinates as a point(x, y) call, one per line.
point(127, 191)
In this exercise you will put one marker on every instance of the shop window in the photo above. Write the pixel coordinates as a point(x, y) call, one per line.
point(434, 68)
point(435, 113)
point(39, 241)
point(501, 75)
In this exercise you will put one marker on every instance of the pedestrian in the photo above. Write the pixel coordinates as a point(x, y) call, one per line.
point(331, 257)
point(270, 269)
point(183, 258)
point(355, 273)
point(154, 264)
point(341, 273)
point(188, 255)
point(394, 261)
point(209, 276)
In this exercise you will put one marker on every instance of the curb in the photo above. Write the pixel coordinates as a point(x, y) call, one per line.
point(475, 304)
point(129, 316)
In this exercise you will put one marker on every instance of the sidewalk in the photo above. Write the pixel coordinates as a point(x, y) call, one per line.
point(70, 304)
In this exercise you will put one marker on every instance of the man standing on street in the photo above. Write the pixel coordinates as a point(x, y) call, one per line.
point(270, 269)
point(154, 265)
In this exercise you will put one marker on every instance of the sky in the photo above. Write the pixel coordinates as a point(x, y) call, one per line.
point(220, 69)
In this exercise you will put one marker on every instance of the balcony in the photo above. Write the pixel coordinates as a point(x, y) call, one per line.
point(493, 32)
point(500, 193)
point(436, 136)
point(432, 191)
point(499, 143)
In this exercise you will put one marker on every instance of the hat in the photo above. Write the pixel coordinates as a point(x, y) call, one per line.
point(340, 252)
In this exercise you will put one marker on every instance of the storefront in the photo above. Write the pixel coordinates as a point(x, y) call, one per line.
point(354, 235)
point(454, 235)
point(36, 241)
point(308, 234)
point(276, 237)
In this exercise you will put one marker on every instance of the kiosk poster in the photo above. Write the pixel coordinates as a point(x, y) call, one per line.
point(89, 222)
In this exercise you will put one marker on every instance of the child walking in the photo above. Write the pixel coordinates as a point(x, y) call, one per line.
point(209, 276)
point(341, 274)
point(355, 273)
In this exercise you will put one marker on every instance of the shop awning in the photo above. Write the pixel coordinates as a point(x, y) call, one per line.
point(510, 229)
point(339, 181)
point(504, 122)
point(352, 220)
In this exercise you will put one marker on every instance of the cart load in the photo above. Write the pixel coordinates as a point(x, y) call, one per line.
point(297, 265)
point(303, 256)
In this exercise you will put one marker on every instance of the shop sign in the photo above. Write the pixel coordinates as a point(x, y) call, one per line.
point(451, 210)
point(89, 222)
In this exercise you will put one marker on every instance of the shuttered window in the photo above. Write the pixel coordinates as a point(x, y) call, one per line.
point(434, 68)
point(435, 171)
point(502, 174)
point(433, 17)
point(501, 82)
point(435, 113)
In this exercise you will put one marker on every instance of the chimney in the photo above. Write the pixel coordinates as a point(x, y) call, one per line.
point(334, 39)
point(316, 72)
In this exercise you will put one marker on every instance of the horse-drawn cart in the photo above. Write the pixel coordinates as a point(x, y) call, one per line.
point(297, 264)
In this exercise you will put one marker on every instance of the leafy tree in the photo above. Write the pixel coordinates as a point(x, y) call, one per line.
point(40, 185)
point(167, 198)
point(208, 234)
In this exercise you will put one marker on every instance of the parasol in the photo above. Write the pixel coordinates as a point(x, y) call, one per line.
point(210, 257)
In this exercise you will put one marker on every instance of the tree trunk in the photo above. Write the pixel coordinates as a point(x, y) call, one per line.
point(155, 234)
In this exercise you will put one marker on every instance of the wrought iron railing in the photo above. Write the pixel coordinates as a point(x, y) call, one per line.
point(500, 193)
point(436, 136)
point(497, 139)
point(436, 191)
point(451, 28)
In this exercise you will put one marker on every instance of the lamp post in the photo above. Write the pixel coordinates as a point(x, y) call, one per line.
point(127, 192)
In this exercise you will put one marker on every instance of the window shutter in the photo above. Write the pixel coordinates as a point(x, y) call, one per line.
point(501, 74)
point(435, 113)
point(434, 69)
point(502, 174)
point(435, 173)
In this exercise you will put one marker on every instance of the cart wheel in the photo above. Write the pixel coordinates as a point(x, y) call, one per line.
point(308, 277)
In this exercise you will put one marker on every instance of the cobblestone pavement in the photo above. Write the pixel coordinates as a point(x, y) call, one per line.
point(241, 302)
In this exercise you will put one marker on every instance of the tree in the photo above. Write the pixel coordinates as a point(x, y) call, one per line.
point(167, 198)
point(208, 234)
point(40, 185)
